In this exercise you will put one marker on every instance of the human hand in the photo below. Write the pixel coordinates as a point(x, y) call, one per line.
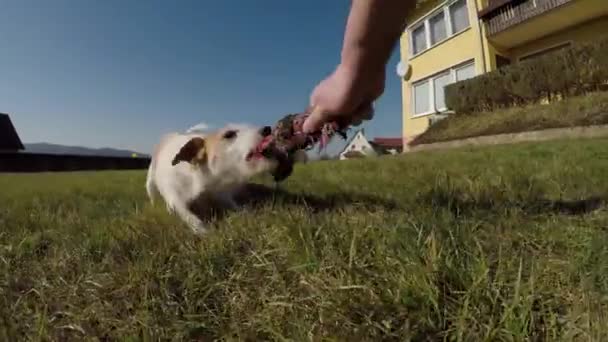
point(346, 96)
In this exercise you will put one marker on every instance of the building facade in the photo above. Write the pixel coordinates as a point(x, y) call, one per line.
point(359, 146)
point(453, 40)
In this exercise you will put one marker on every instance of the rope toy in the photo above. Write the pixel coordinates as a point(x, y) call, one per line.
point(288, 137)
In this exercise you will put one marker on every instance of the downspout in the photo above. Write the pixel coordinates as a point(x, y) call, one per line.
point(479, 29)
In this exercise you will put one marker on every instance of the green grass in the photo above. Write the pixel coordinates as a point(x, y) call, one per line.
point(577, 111)
point(464, 245)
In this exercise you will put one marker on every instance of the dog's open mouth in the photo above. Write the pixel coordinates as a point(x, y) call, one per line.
point(263, 150)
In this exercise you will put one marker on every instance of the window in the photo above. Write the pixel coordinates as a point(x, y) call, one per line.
point(449, 20)
point(438, 28)
point(438, 83)
point(465, 72)
point(502, 61)
point(419, 39)
point(429, 95)
point(421, 98)
point(459, 16)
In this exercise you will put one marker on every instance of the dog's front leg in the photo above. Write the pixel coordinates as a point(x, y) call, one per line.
point(195, 223)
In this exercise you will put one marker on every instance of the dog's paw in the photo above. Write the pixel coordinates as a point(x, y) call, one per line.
point(197, 227)
point(170, 208)
point(198, 230)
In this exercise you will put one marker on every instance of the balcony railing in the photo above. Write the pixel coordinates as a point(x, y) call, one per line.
point(515, 12)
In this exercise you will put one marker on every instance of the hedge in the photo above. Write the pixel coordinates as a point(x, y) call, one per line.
point(574, 71)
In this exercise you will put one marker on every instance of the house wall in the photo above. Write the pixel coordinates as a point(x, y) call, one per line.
point(462, 47)
point(473, 45)
point(358, 143)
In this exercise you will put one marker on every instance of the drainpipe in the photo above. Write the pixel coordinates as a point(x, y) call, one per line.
point(479, 29)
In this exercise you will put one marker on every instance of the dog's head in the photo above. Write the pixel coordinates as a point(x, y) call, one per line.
point(231, 154)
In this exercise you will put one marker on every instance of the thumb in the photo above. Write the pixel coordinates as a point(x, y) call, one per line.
point(314, 121)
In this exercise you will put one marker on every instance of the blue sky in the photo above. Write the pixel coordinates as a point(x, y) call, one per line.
point(118, 73)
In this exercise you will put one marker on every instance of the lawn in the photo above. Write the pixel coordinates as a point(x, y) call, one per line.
point(503, 243)
point(588, 110)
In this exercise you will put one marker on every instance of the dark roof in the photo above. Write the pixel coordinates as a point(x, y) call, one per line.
point(388, 142)
point(9, 139)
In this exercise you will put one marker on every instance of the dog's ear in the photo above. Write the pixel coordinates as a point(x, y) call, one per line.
point(194, 152)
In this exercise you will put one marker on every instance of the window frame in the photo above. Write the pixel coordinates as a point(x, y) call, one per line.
point(462, 66)
point(446, 26)
point(449, 16)
point(442, 9)
point(431, 82)
point(452, 74)
point(430, 97)
point(411, 38)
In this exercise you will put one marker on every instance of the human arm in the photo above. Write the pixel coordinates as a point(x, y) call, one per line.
point(372, 29)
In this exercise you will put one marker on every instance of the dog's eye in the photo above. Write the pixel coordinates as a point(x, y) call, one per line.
point(229, 134)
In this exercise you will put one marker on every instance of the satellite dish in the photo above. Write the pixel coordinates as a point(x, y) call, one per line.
point(404, 70)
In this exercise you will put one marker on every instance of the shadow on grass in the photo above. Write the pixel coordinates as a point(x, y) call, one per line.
point(462, 204)
point(256, 195)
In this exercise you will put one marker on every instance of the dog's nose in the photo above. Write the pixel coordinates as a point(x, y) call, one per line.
point(265, 131)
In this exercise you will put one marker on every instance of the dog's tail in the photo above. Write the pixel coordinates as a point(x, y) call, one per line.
point(151, 188)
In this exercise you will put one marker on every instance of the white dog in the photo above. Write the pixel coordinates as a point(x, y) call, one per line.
point(193, 169)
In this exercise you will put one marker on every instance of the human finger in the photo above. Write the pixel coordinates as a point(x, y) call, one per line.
point(314, 121)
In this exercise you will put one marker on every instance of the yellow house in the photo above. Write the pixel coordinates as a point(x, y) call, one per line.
point(449, 41)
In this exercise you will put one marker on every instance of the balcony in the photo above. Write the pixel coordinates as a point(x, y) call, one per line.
point(516, 12)
point(513, 22)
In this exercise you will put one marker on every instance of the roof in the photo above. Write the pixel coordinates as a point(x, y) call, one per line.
point(388, 142)
point(9, 139)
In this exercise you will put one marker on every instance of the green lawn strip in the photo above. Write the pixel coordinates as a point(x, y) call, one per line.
point(472, 244)
point(572, 112)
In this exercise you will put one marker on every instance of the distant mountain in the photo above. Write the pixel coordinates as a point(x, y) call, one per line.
point(78, 150)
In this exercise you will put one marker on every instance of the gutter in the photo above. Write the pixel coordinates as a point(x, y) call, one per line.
point(479, 29)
